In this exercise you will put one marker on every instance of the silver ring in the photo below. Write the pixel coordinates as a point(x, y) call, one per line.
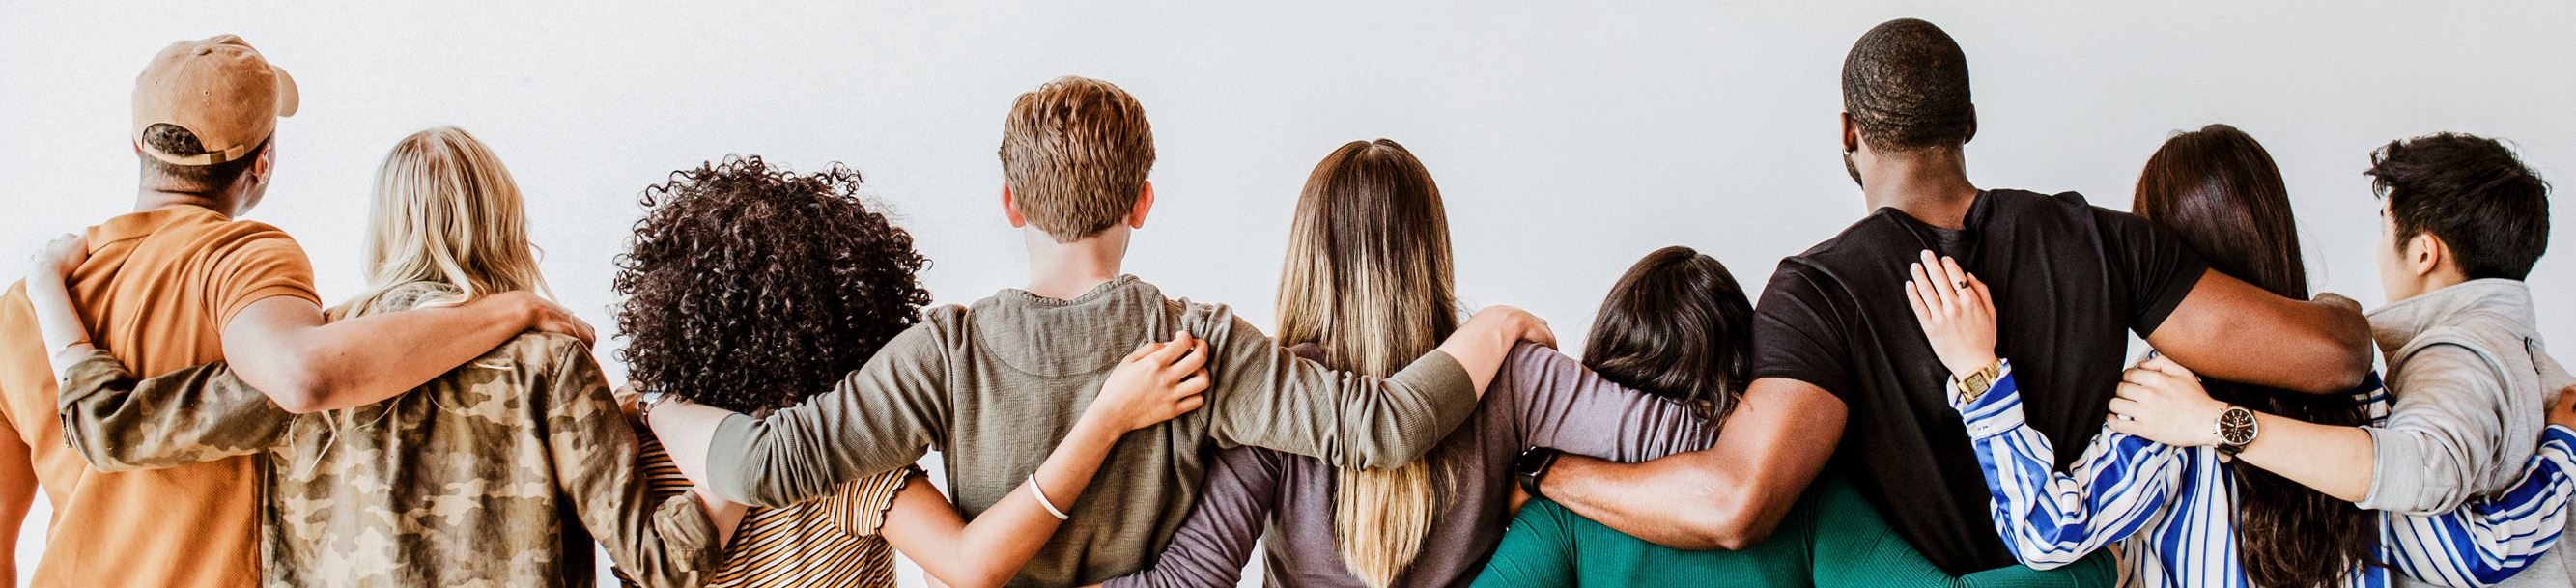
point(1963, 285)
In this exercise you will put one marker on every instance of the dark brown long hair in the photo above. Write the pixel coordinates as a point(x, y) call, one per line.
point(1679, 326)
point(2218, 190)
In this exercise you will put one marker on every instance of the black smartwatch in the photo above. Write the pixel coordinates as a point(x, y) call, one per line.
point(1532, 466)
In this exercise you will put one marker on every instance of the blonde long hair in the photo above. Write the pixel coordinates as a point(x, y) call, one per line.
point(446, 211)
point(1368, 280)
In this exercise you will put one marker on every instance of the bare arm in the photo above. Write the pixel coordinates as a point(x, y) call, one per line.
point(1155, 383)
point(281, 346)
point(2231, 330)
point(2165, 403)
point(1729, 496)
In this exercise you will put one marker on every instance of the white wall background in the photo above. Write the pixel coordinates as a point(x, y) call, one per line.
point(1567, 140)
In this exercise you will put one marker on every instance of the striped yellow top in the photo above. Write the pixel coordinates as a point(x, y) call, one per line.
point(827, 542)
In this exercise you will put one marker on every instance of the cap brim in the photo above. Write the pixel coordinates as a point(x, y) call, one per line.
point(287, 98)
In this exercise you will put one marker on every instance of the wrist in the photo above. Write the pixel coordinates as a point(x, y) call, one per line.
point(1970, 363)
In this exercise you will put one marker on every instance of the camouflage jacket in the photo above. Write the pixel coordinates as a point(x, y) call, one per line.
point(469, 480)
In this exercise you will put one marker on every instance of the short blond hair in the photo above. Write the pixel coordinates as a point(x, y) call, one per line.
point(1075, 153)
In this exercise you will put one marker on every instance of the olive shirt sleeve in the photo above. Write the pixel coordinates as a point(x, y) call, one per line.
point(193, 415)
point(597, 457)
point(1266, 396)
point(1211, 546)
point(884, 416)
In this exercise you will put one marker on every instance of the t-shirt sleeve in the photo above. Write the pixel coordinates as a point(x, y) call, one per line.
point(258, 263)
point(1796, 333)
point(860, 509)
point(2158, 269)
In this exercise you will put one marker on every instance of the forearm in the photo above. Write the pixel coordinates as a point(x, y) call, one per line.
point(1727, 497)
point(193, 415)
point(991, 550)
point(2334, 460)
point(1481, 347)
point(2051, 519)
point(2233, 331)
point(308, 366)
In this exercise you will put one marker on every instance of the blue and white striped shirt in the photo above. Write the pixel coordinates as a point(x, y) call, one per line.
point(2179, 502)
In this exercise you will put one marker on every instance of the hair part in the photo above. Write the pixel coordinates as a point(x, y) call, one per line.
point(1368, 279)
point(1676, 325)
point(2471, 192)
point(210, 181)
point(1076, 152)
point(1905, 84)
point(2219, 191)
point(750, 287)
point(445, 210)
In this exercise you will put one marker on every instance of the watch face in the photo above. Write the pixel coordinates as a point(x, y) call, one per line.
point(2236, 426)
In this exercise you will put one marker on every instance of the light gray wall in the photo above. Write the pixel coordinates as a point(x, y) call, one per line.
point(1567, 140)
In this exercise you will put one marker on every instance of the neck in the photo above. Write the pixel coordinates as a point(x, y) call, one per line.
point(148, 199)
point(1930, 185)
point(1065, 271)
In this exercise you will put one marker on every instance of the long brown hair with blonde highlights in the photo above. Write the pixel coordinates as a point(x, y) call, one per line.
point(1368, 280)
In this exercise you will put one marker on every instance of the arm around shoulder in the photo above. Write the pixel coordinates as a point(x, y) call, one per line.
point(2231, 330)
point(1730, 496)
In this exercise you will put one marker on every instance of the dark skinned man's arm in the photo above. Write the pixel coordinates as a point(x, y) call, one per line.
point(2231, 330)
point(1737, 490)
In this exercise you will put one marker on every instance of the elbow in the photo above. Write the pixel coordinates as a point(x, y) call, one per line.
point(1732, 528)
point(975, 579)
point(300, 395)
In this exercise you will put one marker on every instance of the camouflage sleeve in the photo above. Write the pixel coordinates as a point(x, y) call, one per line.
point(193, 415)
point(665, 542)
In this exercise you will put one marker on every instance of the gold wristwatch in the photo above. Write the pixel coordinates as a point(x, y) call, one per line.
point(1975, 384)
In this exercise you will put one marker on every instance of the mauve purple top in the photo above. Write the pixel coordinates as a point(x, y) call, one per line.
point(1540, 398)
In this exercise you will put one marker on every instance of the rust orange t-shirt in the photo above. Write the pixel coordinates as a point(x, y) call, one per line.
point(156, 292)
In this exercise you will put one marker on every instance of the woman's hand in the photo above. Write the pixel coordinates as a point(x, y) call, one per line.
point(1956, 311)
point(2164, 403)
point(59, 258)
point(1155, 383)
point(1520, 323)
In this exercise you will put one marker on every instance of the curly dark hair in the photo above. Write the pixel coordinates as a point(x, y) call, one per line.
point(750, 287)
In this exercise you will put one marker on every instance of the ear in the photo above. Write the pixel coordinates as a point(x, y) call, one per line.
point(1144, 204)
point(1851, 134)
point(1972, 125)
point(2425, 253)
point(267, 158)
point(1011, 209)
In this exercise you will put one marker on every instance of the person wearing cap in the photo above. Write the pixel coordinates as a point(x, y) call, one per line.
point(180, 282)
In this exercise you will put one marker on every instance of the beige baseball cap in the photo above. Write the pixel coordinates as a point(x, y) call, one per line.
point(219, 89)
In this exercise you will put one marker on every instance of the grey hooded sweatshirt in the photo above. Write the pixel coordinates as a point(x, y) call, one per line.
point(2472, 384)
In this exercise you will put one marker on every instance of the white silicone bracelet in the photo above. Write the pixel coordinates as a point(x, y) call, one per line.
point(1042, 499)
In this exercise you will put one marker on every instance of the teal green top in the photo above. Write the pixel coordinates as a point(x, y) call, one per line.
point(1831, 539)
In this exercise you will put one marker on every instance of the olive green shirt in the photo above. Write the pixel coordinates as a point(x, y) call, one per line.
point(995, 386)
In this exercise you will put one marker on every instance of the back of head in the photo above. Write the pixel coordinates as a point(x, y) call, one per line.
point(204, 110)
point(2219, 192)
point(445, 211)
point(1905, 84)
point(2471, 192)
point(1368, 280)
point(1676, 325)
point(1076, 152)
point(750, 288)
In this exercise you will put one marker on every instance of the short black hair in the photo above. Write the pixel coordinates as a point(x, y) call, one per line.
point(1676, 325)
point(2473, 193)
point(198, 179)
point(1905, 84)
point(751, 288)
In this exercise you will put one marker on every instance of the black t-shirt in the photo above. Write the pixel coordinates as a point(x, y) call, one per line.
point(2070, 280)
